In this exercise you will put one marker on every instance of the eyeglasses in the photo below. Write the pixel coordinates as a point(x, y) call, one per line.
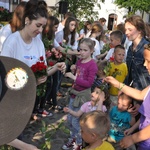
point(147, 46)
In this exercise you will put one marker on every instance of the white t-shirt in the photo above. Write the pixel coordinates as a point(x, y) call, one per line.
point(4, 33)
point(81, 31)
point(56, 44)
point(15, 47)
point(60, 27)
point(97, 48)
point(109, 54)
point(60, 37)
point(87, 35)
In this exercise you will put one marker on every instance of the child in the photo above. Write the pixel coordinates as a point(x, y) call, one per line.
point(118, 70)
point(143, 136)
point(97, 98)
point(96, 32)
point(100, 75)
point(94, 127)
point(120, 120)
point(85, 72)
point(115, 39)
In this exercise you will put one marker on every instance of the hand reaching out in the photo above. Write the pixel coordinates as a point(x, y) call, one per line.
point(66, 109)
point(126, 142)
point(128, 131)
point(61, 66)
point(70, 75)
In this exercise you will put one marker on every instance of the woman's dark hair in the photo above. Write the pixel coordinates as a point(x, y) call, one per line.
point(138, 22)
point(67, 31)
point(48, 30)
point(107, 101)
point(16, 21)
point(34, 10)
point(85, 26)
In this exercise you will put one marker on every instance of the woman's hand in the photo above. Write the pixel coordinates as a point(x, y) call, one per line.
point(41, 80)
point(112, 81)
point(61, 66)
point(73, 68)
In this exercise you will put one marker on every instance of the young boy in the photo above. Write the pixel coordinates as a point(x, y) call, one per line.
point(100, 75)
point(118, 70)
point(115, 39)
point(120, 120)
point(94, 128)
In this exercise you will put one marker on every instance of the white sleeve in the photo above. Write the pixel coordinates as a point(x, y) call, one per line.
point(109, 54)
point(4, 33)
point(75, 45)
point(59, 36)
point(81, 31)
point(56, 44)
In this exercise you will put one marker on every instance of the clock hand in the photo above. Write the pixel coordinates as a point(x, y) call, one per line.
point(17, 78)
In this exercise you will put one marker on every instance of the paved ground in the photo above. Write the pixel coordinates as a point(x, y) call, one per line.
point(55, 127)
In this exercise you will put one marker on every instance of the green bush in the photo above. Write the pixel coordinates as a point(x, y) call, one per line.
point(5, 14)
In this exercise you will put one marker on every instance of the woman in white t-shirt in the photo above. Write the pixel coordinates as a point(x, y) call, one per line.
point(69, 34)
point(25, 45)
point(96, 32)
point(85, 31)
point(14, 25)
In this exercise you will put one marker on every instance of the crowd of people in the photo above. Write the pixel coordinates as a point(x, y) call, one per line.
point(108, 102)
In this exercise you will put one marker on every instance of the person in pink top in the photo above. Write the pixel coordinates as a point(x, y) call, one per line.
point(83, 73)
point(98, 97)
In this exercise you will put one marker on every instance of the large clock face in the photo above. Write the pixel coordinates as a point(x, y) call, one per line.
point(16, 78)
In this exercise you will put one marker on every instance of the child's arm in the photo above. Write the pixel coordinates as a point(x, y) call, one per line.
point(132, 122)
point(133, 128)
point(74, 113)
point(70, 75)
point(142, 135)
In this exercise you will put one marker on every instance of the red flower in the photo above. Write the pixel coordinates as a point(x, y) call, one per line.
point(60, 44)
point(111, 59)
point(51, 63)
point(41, 58)
point(40, 69)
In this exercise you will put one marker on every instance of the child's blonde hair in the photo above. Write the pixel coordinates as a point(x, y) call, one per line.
point(90, 43)
point(96, 122)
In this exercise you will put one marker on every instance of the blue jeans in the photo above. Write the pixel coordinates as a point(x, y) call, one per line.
point(74, 123)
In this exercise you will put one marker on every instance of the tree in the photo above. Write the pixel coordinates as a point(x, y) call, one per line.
point(83, 9)
point(134, 5)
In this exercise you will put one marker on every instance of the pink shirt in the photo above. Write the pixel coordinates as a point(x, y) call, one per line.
point(87, 107)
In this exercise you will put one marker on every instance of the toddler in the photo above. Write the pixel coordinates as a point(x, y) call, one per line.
point(94, 128)
point(97, 98)
point(120, 120)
